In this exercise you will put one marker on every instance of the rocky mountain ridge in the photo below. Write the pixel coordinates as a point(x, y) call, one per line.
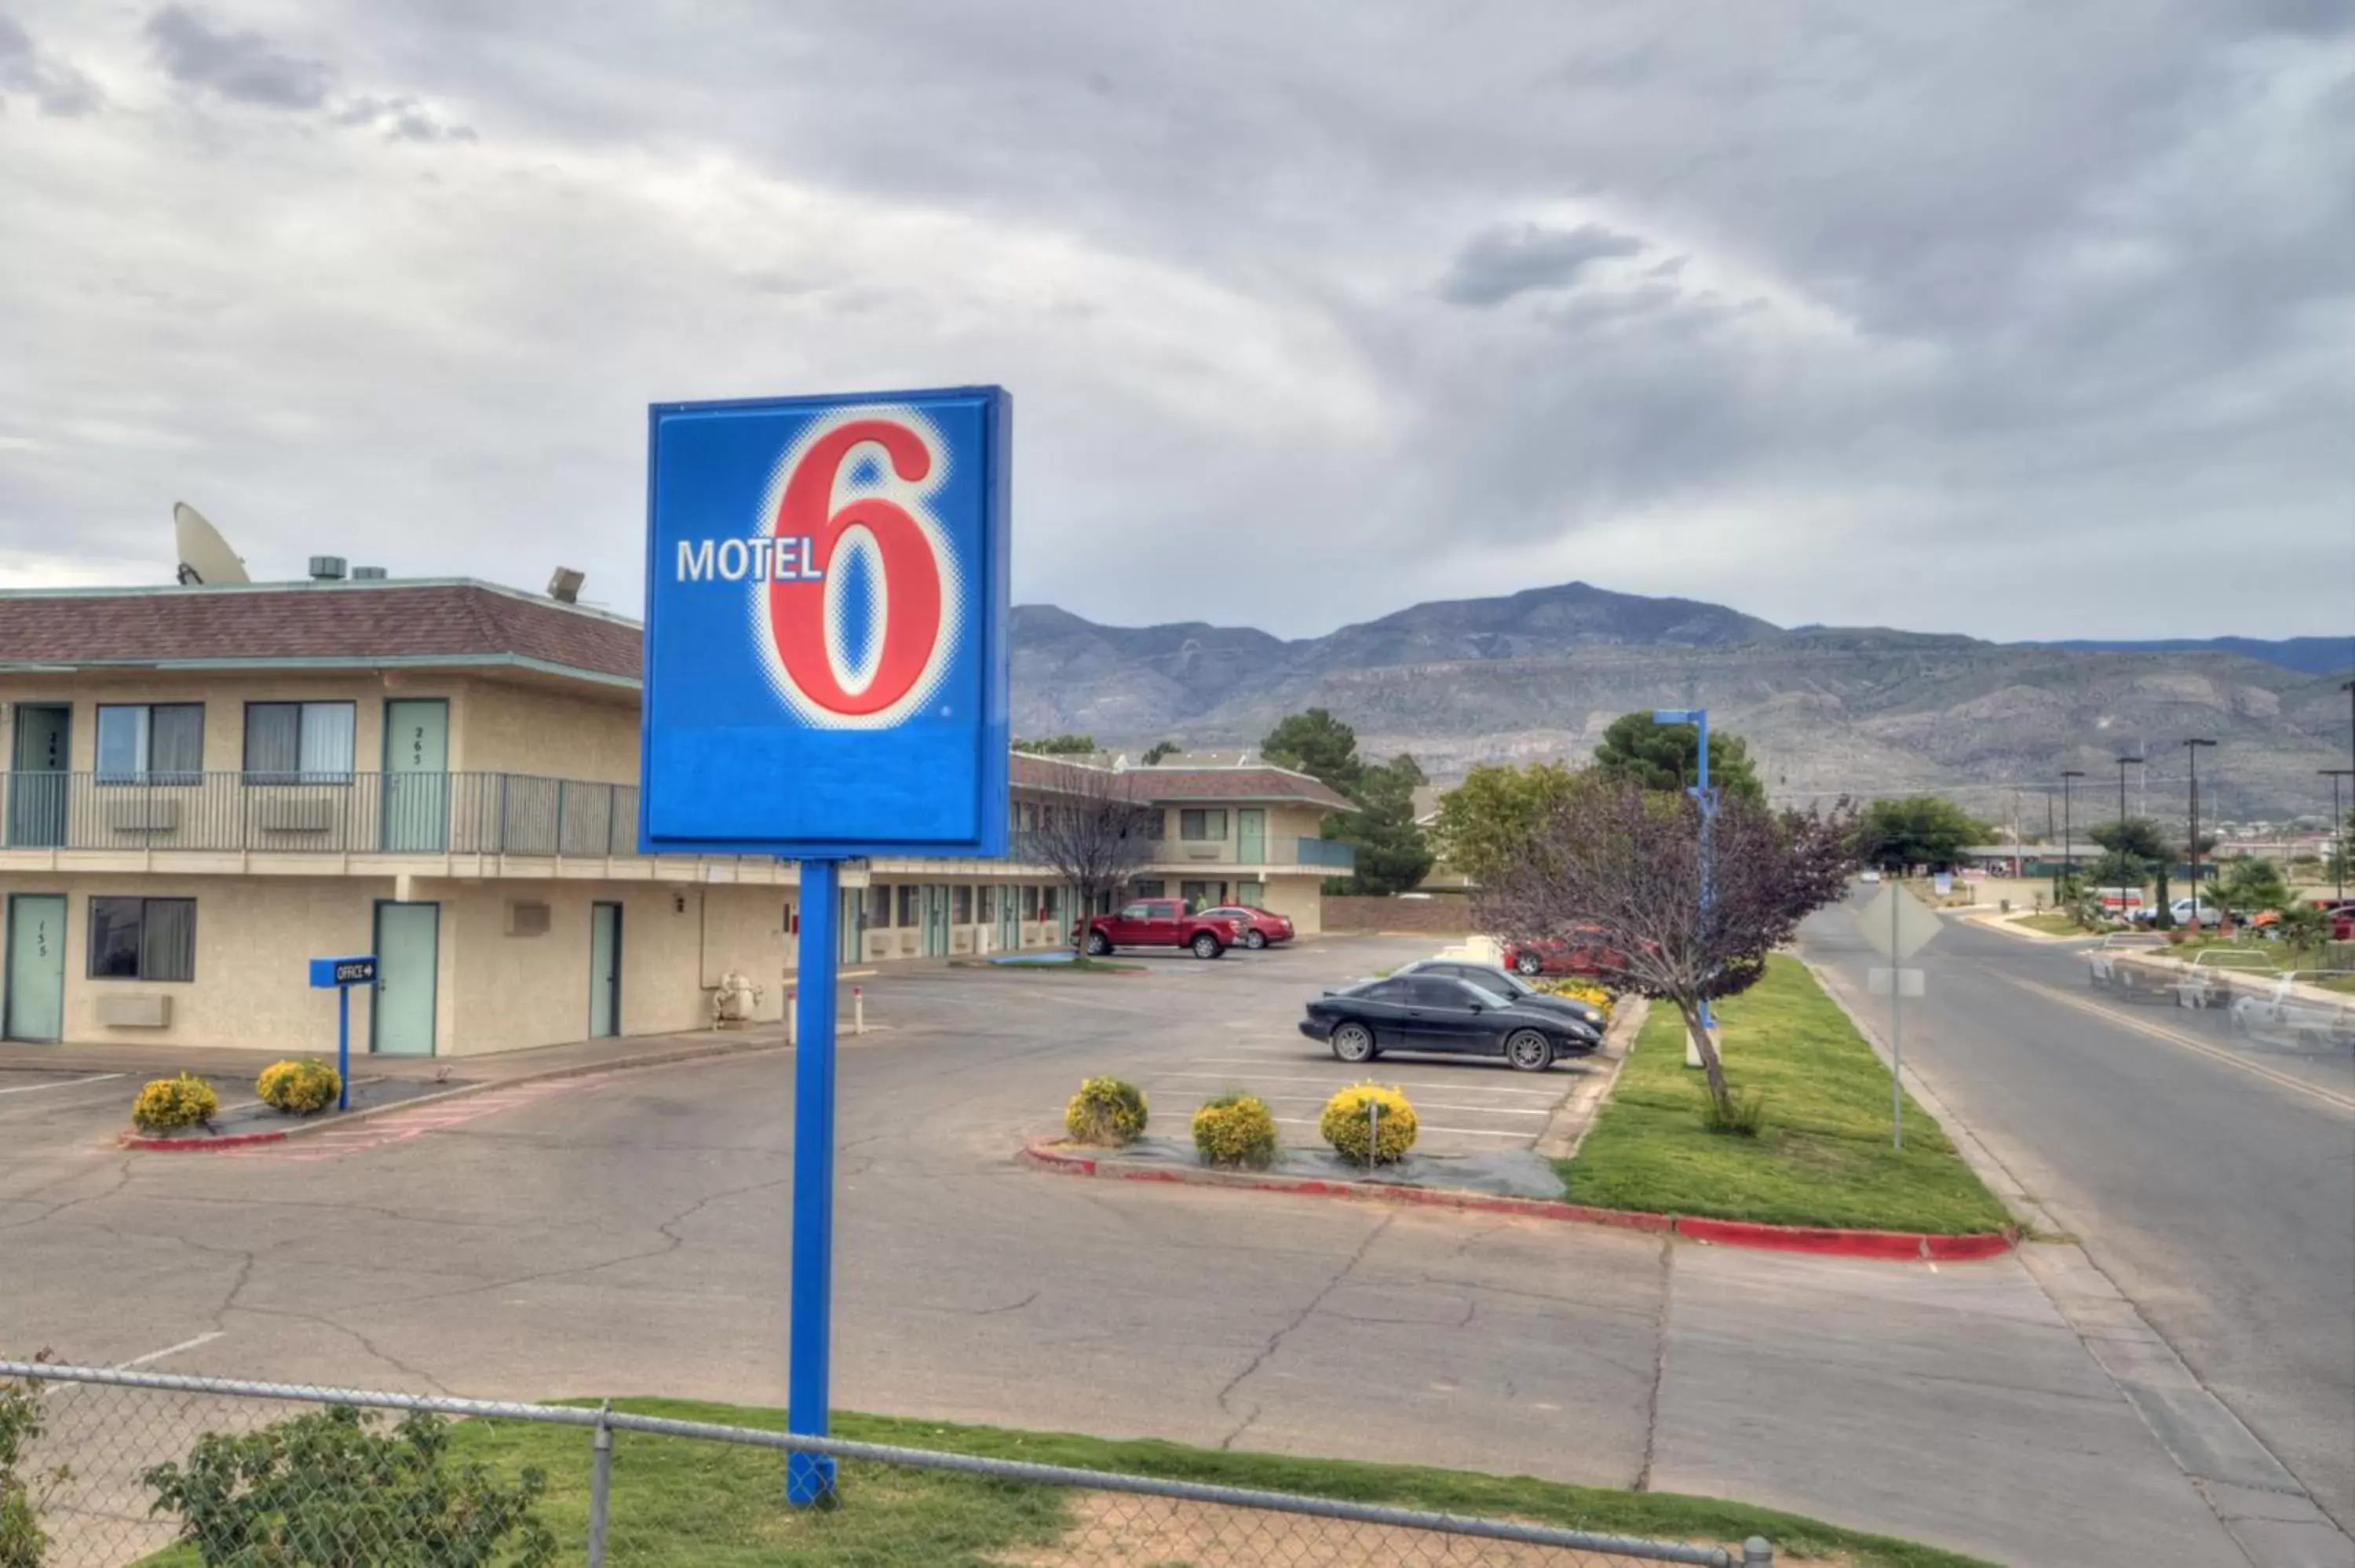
point(1827, 710)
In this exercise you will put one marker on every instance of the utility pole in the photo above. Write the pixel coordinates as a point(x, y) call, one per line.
point(2337, 830)
point(2192, 749)
point(2122, 806)
point(2068, 839)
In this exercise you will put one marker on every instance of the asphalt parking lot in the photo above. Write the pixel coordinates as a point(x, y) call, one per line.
point(1186, 1031)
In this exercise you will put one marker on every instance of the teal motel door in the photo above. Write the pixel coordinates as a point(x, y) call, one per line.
point(1250, 836)
point(408, 979)
point(604, 971)
point(417, 774)
point(37, 776)
point(936, 920)
point(850, 925)
point(33, 989)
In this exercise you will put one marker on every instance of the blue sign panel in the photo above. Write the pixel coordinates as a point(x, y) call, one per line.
point(826, 601)
point(329, 973)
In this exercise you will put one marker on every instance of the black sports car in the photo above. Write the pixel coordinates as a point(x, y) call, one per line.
point(1505, 986)
point(1440, 1013)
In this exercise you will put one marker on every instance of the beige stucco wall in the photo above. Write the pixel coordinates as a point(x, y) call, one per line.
point(1299, 898)
point(499, 727)
point(254, 936)
point(224, 697)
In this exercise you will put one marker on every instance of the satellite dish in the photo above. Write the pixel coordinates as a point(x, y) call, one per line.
point(205, 555)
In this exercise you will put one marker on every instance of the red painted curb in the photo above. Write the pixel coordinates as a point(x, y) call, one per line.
point(1907, 1246)
point(199, 1145)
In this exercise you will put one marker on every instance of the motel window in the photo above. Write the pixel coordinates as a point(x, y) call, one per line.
point(1195, 823)
point(907, 903)
point(143, 938)
point(963, 914)
point(299, 743)
point(1050, 904)
point(151, 743)
point(878, 906)
point(1149, 887)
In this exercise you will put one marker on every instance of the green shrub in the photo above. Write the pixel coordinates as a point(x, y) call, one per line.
point(1236, 1130)
point(22, 1539)
point(330, 1490)
point(300, 1087)
point(1107, 1111)
point(168, 1103)
point(1344, 1126)
point(1743, 1118)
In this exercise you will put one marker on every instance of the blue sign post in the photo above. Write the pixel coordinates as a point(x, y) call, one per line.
point(340, 975)
point(826, 678)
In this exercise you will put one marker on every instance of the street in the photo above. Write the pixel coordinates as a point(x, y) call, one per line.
point(2219, 1199)
point(625, 1233)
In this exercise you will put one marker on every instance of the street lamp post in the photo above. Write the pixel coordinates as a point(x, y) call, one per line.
point(2337, 830)
point(1698, 719)
point(2068, 838)
point(2122, 761)
point(2192, 750)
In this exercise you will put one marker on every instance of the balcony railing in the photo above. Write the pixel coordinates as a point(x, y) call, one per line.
point(376, 813)
point(1325, 853)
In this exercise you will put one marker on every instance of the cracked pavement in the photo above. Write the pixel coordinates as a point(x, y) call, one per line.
point(630, 1237)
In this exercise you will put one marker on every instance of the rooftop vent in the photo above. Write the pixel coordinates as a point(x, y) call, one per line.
point(564, 588)
point(367, 574)
point(326, 568)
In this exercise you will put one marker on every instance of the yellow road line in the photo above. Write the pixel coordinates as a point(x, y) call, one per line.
point(2230, 1059)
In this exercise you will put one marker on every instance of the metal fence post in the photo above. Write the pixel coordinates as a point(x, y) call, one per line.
point(600, 1484)
point(1756, 1553)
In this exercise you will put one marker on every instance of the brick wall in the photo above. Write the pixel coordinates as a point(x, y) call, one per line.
point(1441, 915)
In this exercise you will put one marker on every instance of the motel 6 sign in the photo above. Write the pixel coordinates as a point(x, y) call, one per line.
point(826, 603)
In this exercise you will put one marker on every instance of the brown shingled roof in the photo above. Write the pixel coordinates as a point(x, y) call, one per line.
point(1262, 783)
point(325, 621)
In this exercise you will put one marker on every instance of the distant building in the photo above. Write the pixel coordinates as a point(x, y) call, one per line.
point(207, 785)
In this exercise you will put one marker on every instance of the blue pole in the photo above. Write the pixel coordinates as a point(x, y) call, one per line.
point(1708, 811)
point(343, 1048)
point(809, 1478)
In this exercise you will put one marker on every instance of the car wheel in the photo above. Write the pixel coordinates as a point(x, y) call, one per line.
point(1529, 1050)
point(1353, 1043)
point(1529, 964)
point(1098, 943)
point(1206, 946)
point(1254, 940)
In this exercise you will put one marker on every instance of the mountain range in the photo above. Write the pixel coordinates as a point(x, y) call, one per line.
point(1825, 710)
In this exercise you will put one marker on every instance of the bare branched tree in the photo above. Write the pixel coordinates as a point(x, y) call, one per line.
point(1611, 866)
point(1095, 828)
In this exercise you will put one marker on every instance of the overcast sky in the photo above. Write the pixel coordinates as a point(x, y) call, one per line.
point(2023, 320)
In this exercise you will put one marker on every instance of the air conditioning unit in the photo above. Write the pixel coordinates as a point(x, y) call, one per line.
point(143, 816)
point(527, 918)
point(118, 1009)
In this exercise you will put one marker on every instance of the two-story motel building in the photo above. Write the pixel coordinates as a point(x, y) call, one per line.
point(205, 786)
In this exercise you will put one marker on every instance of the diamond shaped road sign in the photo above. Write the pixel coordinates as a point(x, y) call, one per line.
point(1897, 924)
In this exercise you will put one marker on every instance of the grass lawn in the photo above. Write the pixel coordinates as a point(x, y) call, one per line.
point(2052, 923)
point(683, 1500)
point(1823, 1158)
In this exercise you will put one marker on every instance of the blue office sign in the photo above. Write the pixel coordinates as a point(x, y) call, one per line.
point(827, 605)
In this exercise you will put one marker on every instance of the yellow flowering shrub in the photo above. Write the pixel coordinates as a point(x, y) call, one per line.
point(1583, 991)
point(1107, 1111)
point(1236, 1130)
point(1343, 1124)
point(168, 1103)
point(300, 1087)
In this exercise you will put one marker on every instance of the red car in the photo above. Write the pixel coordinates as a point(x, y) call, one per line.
point(1155, 923)
point(1551, 956)
point(1260, 927)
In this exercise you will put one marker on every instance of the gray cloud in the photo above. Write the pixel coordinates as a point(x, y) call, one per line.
point(243, 66)
point(53, 84)
point(1921, 295)
point(1516, 258)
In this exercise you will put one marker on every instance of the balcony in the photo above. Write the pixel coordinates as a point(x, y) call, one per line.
point(358, 813)
point(1325, 854)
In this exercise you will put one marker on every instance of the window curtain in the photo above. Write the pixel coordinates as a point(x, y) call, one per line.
point(167, 945)
point(324, 751)
point(176, 747)
point(273, 739)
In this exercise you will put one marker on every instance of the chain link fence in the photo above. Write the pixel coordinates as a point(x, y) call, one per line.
point(102, 1467)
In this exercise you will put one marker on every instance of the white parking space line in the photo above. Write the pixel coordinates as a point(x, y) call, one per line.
point(70, 1083)
point(169, 1350)
point(1420, 1106)
point(1459, 1086)
point(1422, 1126)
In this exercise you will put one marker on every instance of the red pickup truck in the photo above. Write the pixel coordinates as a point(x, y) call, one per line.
point(1155, 923)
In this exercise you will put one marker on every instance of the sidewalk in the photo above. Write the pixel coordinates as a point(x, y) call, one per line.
point(494, 1067)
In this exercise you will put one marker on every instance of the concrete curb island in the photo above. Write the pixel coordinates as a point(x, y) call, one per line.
point(1904, 1246)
